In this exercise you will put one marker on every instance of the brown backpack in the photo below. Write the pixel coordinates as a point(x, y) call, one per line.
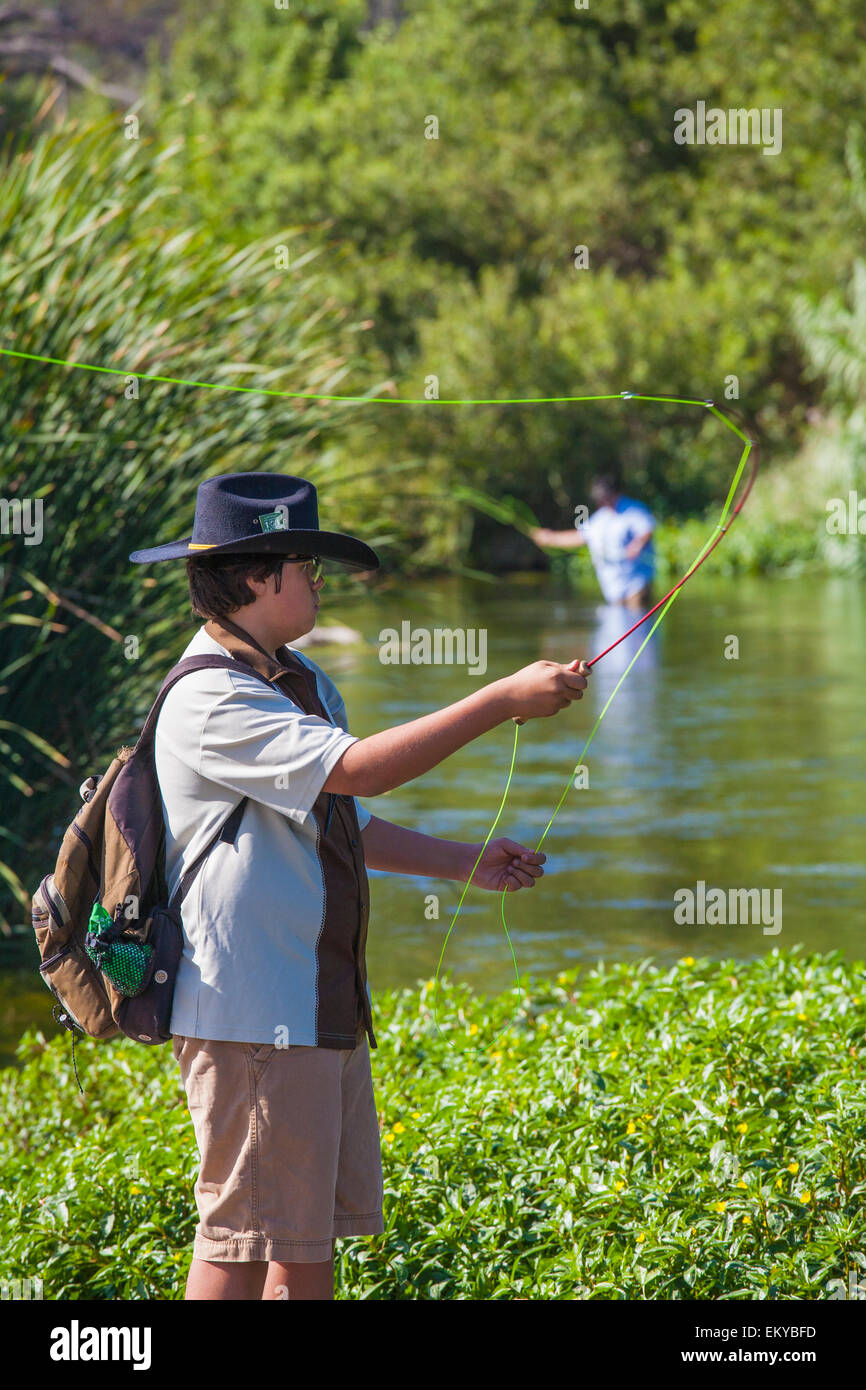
point(110, 943)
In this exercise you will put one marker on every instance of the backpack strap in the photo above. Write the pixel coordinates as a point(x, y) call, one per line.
point(177, 672)
point(229, 829)
point(227, 832)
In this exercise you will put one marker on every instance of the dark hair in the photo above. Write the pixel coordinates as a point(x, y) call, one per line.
point(608, 478)
point(218, 583)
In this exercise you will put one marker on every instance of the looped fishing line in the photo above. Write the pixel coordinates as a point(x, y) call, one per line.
point(527, 400)
point(722, 526)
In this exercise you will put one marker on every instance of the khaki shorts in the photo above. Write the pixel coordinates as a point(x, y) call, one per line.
point(289, 1145)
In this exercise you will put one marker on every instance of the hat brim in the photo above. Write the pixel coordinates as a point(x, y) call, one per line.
point(330, 545)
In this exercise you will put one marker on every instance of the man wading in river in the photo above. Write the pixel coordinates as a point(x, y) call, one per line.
point(619, 535)
point(271, 1014)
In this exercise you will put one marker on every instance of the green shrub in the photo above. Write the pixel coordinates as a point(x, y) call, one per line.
point(626, 1132)
point(100, 264)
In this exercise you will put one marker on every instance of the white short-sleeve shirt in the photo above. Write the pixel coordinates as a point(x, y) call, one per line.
point(608, 532)
point(253, 916)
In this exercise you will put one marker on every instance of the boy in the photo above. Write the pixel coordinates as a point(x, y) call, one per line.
point(271, 1014)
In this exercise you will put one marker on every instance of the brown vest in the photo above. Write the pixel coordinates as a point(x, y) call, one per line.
point(343, 1008)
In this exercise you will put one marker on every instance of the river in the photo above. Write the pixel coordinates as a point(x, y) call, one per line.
point(743, 771)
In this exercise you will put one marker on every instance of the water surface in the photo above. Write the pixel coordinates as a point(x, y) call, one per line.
point(741, 773)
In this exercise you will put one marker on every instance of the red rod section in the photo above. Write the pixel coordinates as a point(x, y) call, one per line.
point(589, 664)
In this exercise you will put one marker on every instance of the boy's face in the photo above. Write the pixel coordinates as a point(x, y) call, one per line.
point(290, 613)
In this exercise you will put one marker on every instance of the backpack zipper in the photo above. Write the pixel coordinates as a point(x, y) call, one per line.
point(85, 840)
point(58, 919)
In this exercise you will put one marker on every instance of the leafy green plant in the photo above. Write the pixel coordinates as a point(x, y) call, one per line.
point(100, 265)
point(624, 1132)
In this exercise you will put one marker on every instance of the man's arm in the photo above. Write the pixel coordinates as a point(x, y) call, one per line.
point(383, 761)
point(504, 864)
point(634, 547)
point(558, 540)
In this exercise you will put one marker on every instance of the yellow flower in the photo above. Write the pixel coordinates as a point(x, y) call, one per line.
point(647, 1116)
point(496, 1056)
point(630, 1127)
point(687, 960)
point(618, 1186)
point(720, 1206)
point(473, 1029)
point(543, 1023)
point(778, 1182)
point(416, 1114)
point(793, 1166)
point(741, 1183)
point(389, 1138)
point(805, 1197)
point(561, 979)
point(135, 1191)
point(802, 1018)
point(741, 1129)
point(747, 1220)
point(399, 1128)
point(641, 1238)
point(615, 1052)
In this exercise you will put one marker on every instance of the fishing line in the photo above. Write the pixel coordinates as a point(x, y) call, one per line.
point(664, 604)
point(524, 400)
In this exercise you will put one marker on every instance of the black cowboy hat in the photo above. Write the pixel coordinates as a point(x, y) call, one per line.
point(258, 513)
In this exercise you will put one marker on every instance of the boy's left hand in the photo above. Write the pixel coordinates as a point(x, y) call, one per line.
point(507, 865)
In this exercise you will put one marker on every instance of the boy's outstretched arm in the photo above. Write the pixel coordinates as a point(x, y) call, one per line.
point(384, 761)
point(504, 865)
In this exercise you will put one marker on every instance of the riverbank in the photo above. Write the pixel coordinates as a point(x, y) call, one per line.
point(627, 1132)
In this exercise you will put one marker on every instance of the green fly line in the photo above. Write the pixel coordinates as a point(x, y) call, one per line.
point(709, 545)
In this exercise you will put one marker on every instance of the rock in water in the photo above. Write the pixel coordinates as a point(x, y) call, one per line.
point(325, 636)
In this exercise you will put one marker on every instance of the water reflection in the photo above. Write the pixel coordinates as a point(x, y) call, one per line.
point(738, 772)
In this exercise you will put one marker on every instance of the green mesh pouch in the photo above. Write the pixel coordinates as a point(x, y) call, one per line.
point(122, 959)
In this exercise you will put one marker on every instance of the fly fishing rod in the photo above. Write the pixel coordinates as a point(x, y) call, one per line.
point(722, 527)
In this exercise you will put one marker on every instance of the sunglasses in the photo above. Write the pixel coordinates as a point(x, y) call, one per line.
point(311, 563)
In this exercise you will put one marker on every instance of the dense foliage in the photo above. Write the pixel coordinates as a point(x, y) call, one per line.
point(461, 247)
point(97, 265)
point(628, 1132)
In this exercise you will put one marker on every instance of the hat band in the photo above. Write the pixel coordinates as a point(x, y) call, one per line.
point(191, 545)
